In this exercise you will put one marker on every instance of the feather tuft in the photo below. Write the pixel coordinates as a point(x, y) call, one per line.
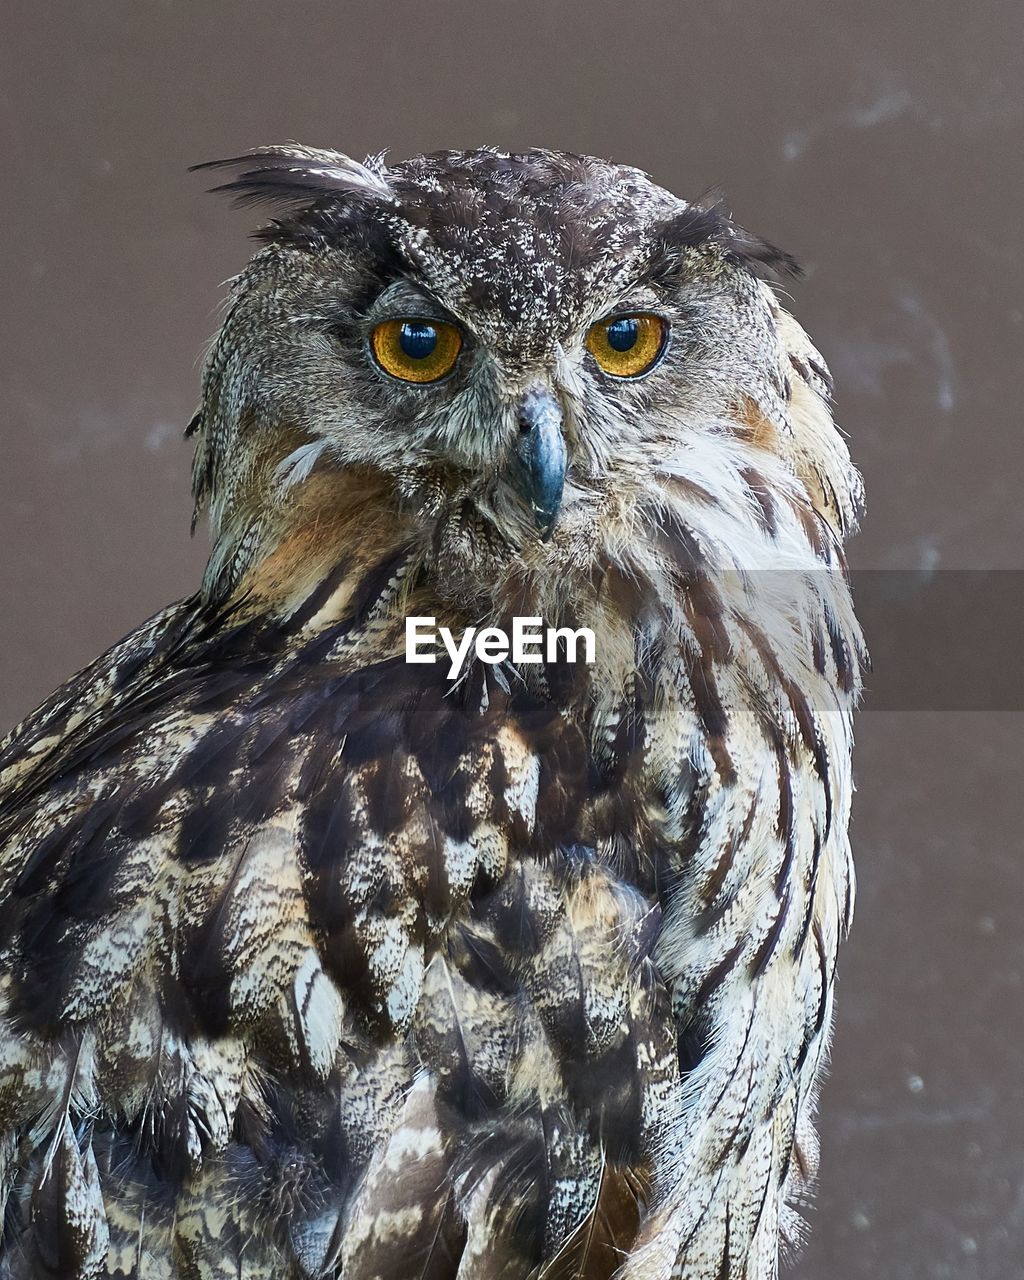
point(291, 174)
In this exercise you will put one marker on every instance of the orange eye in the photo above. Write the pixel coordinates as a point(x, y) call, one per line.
point(627, 346)
point(416, 350)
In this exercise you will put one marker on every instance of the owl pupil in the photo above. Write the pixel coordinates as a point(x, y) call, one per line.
point(622, 334)
point(417, 340)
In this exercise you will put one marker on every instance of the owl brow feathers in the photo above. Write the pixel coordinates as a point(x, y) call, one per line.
point(297, 178)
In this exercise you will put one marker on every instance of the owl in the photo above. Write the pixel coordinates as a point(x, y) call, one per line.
point(320, 961)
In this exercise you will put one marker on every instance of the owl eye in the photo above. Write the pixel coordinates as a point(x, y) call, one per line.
point(416, 350)
point(627, 346)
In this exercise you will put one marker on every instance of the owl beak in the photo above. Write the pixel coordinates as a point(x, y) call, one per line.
point(540, 451)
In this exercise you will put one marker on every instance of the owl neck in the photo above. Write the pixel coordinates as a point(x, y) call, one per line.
point(669, 569)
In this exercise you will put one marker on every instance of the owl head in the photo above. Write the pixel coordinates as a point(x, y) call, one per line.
point(506, 360)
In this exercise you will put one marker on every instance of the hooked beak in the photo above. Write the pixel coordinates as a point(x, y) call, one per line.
point(540, 451)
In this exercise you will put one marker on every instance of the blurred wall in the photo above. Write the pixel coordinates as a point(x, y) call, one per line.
point(881, 142)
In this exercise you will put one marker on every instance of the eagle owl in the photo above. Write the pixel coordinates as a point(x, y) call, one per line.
point(317, 962)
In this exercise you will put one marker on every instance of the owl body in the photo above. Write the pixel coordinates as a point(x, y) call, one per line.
point(316, 963)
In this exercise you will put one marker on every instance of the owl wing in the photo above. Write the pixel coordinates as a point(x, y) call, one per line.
point(49, 729)
point(304, 967)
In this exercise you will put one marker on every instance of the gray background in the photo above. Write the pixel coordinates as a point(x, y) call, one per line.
point(881, 142)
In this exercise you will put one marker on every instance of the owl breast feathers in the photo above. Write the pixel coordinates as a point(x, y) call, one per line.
point(317, 963)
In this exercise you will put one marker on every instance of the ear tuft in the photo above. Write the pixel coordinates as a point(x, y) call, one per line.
point(291, 175)
point(707, 221)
